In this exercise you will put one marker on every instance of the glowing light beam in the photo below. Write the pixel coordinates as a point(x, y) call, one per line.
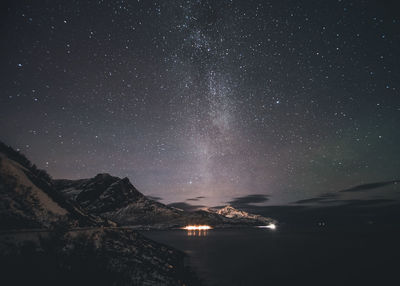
point(270, 226)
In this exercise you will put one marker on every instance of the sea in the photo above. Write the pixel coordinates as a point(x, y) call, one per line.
point(290, 256)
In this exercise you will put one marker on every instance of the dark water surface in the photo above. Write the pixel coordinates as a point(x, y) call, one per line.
point(321, 256)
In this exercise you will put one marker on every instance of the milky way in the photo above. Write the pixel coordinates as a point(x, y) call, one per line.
point(218, 99)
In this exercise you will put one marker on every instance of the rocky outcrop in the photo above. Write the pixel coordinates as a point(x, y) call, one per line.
point(116, 199)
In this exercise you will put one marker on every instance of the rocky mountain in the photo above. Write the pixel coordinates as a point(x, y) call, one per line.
point(241, 216)
point(48, 237)
point(28, 198)
point(116, 199)
point(31, 199)
point(23, 203)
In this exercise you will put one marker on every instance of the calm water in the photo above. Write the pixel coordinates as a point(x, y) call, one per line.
point(289, 257)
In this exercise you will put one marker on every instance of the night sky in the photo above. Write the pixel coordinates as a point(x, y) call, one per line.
point(218, 99)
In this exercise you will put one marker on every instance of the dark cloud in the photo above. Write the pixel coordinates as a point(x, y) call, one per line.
point(321, 199)
point(366, 187)
point(310, 201)
point(196, 199)
point(327, 198)
point(342, 213)
point(154, 198)
point(361, 203)
point(283, 213)
point(185, 206)
point(249, 199)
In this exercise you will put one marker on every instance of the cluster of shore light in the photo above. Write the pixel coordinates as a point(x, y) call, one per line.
point(197, 227)
point(207, 227)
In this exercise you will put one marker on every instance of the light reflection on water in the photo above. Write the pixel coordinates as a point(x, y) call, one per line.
point(197, 232)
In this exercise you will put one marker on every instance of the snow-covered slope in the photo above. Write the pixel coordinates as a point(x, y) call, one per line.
point(28, 198)
point(239, 215)
point(23, 203)
point(116, 199)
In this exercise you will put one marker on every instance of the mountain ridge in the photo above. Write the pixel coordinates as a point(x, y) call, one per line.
point(31, 198)
point(231, 212)
point(28, 197)
point(118, 200)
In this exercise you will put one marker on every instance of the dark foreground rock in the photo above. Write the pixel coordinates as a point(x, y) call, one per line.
point(95, 256)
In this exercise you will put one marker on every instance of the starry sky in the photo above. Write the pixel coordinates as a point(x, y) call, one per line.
point(209, 99)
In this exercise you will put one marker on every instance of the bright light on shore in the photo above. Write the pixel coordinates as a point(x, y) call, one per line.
point(197, 227)
point(270, 226)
